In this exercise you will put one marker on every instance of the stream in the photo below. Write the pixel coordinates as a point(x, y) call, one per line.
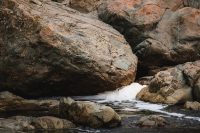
point(124, 102)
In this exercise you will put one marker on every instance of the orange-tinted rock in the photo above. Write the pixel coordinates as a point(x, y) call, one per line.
point(50, 49)
point(161, 32)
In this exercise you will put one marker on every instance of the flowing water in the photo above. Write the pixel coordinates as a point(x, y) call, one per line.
point(124, 102)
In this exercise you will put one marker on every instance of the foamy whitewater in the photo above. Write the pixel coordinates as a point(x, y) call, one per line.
point(128, 94)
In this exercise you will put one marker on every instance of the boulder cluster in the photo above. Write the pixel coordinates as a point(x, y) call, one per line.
point(84, 47)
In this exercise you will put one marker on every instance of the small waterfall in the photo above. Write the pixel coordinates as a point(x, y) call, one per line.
point(124, 98)
point(127, 93)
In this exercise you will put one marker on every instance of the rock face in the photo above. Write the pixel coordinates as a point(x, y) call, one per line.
point(152, 121)
point(50, 49)
point(175, 85)
point(89, 113)
point(161, 32)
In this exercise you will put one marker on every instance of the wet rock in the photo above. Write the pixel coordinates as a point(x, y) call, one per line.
point(161, 32)
point(89, 113)
point(53, 50)
point(80, 112)
point(15, 125)
point(13, 104)
point(175, 85)
point(192, 105)
point(152, 121)
point(23, 123)
point(49, 122)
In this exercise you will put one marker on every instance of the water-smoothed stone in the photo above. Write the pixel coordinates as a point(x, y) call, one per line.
point(54, 50)
point(192, 105)
point(174, 85)
point(89, 113)
point(160, 32)
point(81, 112)
point(49, 122)
point(152, 121)
point(12, 104)
point(11, 124)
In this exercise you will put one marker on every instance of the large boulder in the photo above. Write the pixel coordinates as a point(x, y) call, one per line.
point(48, 49)
point(175, 85)
point(89, 113)
point(161, 32)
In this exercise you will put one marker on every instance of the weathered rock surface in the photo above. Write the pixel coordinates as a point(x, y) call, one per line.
point(23, 123)
point(152, 121)
point(192, 105)
point(14, 105)
point(49, 122)
point(50, 49)
point(85, 5)
point(161, 32)
point(89, 113)
point(80, 112)
point(175, 85)
point(192, 3)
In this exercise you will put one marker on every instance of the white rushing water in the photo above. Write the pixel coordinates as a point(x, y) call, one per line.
point(128, 94)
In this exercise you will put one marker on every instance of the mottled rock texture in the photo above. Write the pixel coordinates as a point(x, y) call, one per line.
point(161, 32)
point(152, 121)
point(30, 124)
point(80, 112)
point(85, 5)
point(49, 49)
point(175, 85)
point(89, 114)
point(192, 105)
